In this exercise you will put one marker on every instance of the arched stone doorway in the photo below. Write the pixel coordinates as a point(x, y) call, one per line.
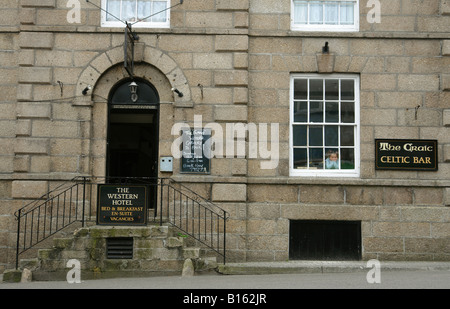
point(133, 129)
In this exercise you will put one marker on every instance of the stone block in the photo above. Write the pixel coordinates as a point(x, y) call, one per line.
point(230, 113)
point(240, 61)
point(445, 7)
point(383, 244)
point(21, 164)
point(321, 194)
point(174, 242)
point(325, 63)
point(231, 78)
point(33, 110)
point(446, 117)
point(378, 82)
point(82, 41)
point(447, 153)
point(418, 82)
point(446, 48)
point(240, 96)
point(398, 196)
point(31, 146)
point(27, 16)
point(24, 92)
point(445, 82)
point(23, 128)
point(231, 43)
point(213, 61)
point(26, 57)
point(229, 192)
point(232, 5)
point(241, 20)
point(188, 268)
point(221, 19)
point(37, 40)
point(401, 229)
point(239, 167)
point(273, 193)
point(33, 75)
point(191, 253)
point(364, 195)
point(139, 49)
point(12, 276)
point(29, 189)
point(38, 3)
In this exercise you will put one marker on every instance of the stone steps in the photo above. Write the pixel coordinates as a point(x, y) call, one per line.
point(156, 251)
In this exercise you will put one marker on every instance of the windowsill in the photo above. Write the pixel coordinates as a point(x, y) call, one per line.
point(135, 26)
point(290, 180)
point(321, 30)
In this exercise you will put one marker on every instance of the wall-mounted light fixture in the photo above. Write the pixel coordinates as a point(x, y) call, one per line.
point(86, 90)
point(180, 94)
point(133, 89)
point(326, 48)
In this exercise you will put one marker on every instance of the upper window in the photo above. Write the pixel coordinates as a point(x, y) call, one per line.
point(324, 131)
point(147, 13)
point(325, 15)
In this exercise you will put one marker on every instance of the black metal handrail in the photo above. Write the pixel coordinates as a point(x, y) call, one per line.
point(75, 201)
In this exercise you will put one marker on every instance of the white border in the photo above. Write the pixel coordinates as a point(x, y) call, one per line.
point(327, 28)
point(326, 173)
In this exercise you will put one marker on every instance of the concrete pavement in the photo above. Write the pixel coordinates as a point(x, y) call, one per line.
point(283, 275)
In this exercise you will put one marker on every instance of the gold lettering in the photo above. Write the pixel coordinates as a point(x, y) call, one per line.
point(391, 159)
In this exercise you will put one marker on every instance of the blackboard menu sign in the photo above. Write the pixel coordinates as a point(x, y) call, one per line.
point(195, 154)
point(408, 155)
point(122, 205)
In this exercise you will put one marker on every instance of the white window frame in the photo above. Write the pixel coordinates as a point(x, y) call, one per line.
point(326, 27)
point(311, 172)
point(143, 24)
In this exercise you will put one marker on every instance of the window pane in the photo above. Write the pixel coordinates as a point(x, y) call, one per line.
point(332, 89)
point(300, 135)
point(347, 136)
point(300, 158)
point(300, 12)
point(144, 9)
point(129, 10)
point(331, 13)
point(332, 112)
point(331, 136)
point(316, 112)
point(347, 13)
point(348, 112)
point(315, 136)
point(316, 12)
point(347, 90)
point(332, 159)
point(300, 111)
point(316, 89)
point(159, 6)
point(348, 159)
point(113, 7)
point(316, 158)
point(300, 89)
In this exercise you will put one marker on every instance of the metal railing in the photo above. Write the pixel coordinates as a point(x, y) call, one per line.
point(76, 201)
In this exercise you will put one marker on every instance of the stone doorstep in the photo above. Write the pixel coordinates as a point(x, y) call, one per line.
point(298, 267)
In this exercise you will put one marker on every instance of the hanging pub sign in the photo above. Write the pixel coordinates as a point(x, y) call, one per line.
point(122, 205)
point(409, 155)
point(196, 151)
point(130, 39)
